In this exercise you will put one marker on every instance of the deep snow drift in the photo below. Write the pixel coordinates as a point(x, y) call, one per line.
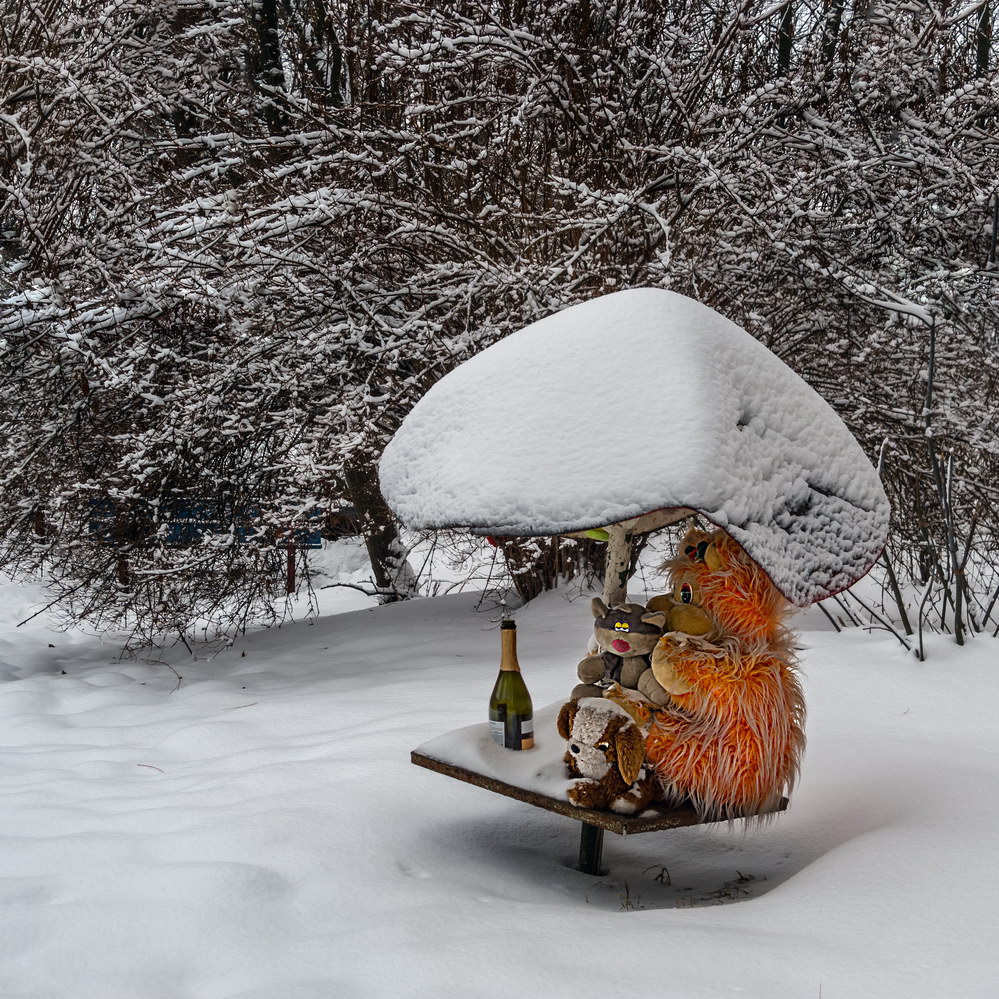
point(256, 830)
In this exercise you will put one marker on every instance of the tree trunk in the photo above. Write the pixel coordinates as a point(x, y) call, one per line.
point(785, 41)
point(392, 574)
point(265, 61)
point(983, 40)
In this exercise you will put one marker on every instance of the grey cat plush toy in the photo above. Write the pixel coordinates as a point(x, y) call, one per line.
point(625, 636)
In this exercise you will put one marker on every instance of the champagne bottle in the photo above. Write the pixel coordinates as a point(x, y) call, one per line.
point(511, 715)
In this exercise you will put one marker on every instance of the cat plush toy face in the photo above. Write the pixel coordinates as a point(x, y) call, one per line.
point(626, 629)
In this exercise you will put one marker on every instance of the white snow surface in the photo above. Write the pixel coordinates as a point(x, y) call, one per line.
point(633, 402)
point(257, 831)
point(540, 769)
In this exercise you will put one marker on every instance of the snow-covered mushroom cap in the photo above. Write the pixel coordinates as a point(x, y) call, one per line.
point(633, 403)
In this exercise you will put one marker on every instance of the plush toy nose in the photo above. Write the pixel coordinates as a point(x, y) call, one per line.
point(574, 748)
point(620, 645)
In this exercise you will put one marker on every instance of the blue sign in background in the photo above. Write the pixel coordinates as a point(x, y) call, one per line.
point(189, 520)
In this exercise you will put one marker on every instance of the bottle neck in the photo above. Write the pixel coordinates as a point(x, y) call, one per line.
point(508, 650)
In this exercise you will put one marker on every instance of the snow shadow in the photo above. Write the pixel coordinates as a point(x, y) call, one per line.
point(532, 855)
point(535, 859)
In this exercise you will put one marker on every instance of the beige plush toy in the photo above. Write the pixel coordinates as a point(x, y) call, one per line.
point(605, 749)
point(625, 636)
point(686, 621)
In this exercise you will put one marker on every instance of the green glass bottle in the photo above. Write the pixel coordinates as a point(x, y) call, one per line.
point(511, 714)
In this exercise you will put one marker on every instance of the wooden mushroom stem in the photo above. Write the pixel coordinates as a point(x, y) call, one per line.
point(617, 564)
point(620, 546)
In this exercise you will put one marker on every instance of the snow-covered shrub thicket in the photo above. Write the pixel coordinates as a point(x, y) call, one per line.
point(241, 238)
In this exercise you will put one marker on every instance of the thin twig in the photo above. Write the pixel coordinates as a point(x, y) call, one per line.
point(877, 617)
point(832, 620)
point(373, 591)
point(926, 593)
point(896, 592)
point(846, 610)
point(62, 596)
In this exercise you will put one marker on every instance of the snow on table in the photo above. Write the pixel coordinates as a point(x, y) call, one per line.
point(636, 402)
point(540, 770)
point(536, 776)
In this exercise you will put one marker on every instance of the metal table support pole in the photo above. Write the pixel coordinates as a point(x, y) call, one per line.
point(591, 848)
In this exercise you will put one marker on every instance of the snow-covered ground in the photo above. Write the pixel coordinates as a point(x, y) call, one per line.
point(255, 829)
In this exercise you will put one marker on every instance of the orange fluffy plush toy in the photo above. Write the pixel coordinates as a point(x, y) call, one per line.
point(726, 733)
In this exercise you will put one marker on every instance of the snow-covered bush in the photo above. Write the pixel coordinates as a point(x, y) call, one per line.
point(239, 240)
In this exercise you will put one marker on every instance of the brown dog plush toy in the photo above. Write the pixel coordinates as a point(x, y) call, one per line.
point(625, 635)
point(605, 749)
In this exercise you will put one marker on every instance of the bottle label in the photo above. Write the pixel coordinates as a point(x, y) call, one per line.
point(513, 732)
point(526, 733)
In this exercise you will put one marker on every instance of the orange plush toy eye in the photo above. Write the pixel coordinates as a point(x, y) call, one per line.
point(686, 593)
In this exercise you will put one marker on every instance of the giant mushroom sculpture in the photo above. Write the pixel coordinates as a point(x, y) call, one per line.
point(632, 411)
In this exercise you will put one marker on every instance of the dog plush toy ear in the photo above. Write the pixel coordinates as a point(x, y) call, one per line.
point(566, 716)
point(630, 745)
